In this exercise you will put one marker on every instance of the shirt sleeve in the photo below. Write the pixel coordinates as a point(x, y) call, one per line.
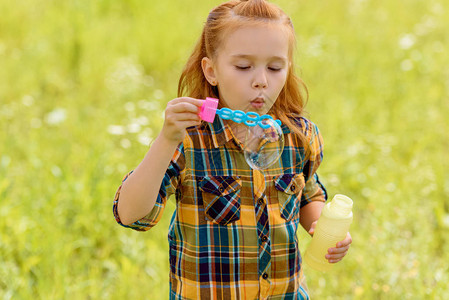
point(168, 187)
point(314, 190)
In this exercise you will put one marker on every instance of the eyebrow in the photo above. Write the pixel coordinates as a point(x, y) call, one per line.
point(252, 56)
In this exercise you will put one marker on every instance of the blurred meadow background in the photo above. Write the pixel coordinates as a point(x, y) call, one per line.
point(83, 87)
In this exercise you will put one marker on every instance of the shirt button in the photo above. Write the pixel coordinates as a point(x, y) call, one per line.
point(221, 189)
point(293, 188)
point(265, 276)
point(260, 201)
point(264, 238)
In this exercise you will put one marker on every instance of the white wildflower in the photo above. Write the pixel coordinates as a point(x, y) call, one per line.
point(148, 105)
point(126, 77)
point(125, 143)
point(315, 46)
point(366, 192)
point(406, 65)
point(158, 94)
point(406, 41)
point(5, 161)
point(129, 106)
point(390, 187)
point(437, 9)
point(143, 120)
point(116, 129)
point(27, 100)
point(144, 139)
point(133, 127)
point(108, 169)
point(56, 116)
point(426, 26)
point(56, 171)
point(446, 220)
point(122, 168)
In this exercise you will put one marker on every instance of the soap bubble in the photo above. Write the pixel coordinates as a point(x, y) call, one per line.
point(263, 144)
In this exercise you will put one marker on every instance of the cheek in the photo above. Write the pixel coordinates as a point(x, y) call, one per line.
point(283, 79)
point(280, 81)
point(234, 83)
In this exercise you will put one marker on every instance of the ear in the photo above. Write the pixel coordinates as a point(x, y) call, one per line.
point(209, 71)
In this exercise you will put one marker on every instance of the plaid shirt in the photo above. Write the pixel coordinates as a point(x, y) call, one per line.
point(233, 233)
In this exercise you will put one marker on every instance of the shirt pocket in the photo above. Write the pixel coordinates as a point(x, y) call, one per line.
point(221, 198)
point(289, 189)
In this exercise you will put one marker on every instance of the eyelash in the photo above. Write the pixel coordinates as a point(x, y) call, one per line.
point(247, 68)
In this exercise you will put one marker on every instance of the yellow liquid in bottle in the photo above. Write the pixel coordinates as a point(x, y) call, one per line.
point(332, 227)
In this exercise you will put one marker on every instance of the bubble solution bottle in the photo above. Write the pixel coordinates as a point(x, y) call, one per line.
point(331, 228)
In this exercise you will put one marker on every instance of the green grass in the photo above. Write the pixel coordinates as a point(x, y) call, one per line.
point(74, 72)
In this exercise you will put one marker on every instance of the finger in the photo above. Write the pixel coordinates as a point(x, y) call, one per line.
point(335, 257)
point(346, 241)
point(185, 124)
point(333, 261)
point(196, 102)
point(174, 117)
point(312, 227)
point(183, 107)
point(338, 253)
point(338, 250)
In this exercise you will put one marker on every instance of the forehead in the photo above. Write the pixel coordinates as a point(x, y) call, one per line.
point(266, 40)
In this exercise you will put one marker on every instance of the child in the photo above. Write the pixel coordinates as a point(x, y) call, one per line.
point(233, 233)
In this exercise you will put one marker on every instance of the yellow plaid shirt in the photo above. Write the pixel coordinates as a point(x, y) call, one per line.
point(233, 233)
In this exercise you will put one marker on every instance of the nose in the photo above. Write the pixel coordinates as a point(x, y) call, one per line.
point(260, 80)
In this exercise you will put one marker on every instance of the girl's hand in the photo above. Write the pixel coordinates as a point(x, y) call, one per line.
point(180, 113)
point(335, 254)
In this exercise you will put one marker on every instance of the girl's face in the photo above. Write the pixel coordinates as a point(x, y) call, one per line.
point(250, 68)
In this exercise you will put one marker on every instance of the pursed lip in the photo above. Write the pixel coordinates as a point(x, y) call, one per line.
point(258, 103)
point(258, 100)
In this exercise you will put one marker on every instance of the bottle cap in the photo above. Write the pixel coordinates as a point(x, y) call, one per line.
point(341, 205)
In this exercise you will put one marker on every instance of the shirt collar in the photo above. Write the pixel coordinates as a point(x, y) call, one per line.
point(219, 131)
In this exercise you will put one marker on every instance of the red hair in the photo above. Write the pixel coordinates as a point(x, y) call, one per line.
point(226, 18)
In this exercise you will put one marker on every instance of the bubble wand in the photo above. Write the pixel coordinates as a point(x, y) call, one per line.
point(251, 119)
point(263, 143)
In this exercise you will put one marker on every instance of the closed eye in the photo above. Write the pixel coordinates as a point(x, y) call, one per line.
point(274, 69)
point(242, 67)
